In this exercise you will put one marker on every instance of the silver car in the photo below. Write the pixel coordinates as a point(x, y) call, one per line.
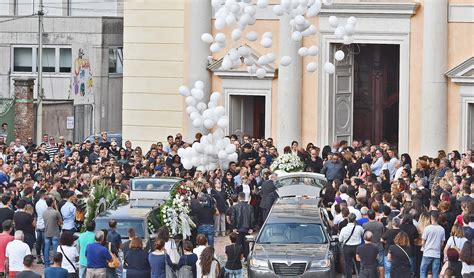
point(293, 241)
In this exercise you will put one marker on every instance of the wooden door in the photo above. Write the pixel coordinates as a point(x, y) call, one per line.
point(259, 117)
point(343, 96)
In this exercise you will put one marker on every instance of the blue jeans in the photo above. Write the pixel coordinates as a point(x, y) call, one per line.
point(48, 241)
point(208, 231)
point(82, 271)
point(237, 273)
point(425, 264)
point(39, 242)
point(387, 267)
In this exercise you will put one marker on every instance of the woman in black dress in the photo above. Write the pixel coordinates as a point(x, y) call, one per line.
point(136, 260)
point(398, 255)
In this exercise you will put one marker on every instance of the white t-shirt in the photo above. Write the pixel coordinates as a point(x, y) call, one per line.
point(246, 190)
point(15, 252)
point(433, 235)
point(72, 254)
point(40, 207)
point(466, 268)
point(457, 242)
point(198, 250)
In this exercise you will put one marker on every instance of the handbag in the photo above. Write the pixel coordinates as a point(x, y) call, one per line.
point(452, 250)
point(340, 267)
point(70, 262)
point(170, 273)
point(174, 255)
point(114, 263)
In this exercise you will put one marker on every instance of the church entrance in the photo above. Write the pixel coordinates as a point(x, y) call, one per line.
point(365, 95)
point(247, 115)
point(376, 93)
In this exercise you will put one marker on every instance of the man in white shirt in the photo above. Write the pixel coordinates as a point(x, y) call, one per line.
point(392, 165)
point(40, 208)
point(68, 211)
point(432, 244)
point(350, 237)
point(15, 252)
point(376, 167)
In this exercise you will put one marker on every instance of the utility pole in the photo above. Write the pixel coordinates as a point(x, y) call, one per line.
point(39, 107)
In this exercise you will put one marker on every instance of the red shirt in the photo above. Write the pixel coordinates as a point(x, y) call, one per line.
point(4, 240)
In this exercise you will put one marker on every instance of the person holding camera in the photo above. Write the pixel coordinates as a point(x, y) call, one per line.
point(204, 211)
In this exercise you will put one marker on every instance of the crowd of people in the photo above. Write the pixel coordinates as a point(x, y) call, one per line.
point(392, 215)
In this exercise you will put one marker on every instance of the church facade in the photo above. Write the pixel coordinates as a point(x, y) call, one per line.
point(407, 77)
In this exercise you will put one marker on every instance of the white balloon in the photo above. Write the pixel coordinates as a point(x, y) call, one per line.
point(230, 19)
point(252, 36)
point(219, 110)
point(278, 10)
point(352, 20)
point(226, 141)
point(197, 123)
point(208, 123)
point(303, 51)
point(267, 35)
point(285, 61)
point(236, 34)
point(328, 2)
point(194, 115)
point(313, 50)
point(286, 4)
point(184, 91)
point(299, 10)
point(226, 63)
point(234, 54)
point(201, 169)
point(244, 20)
point(339, 55)
point(303, 2)
point(349, 29)
point(333, 21)
point(262, 4)
point(329, 68)
point(223, 122)
point(261, 73)
point(191, 101)
point(211, 166)
point(219, 23)
point(191, 109)
point(215, 97)
point(198, 94)
point(233, 157)
point(252, 21)
point(215, 48)
point(188, 165)
point(340, 32)
point(199, 147)
point(263, 60)
point(253, 69)
point(230, 148)
point(236, 64)
point(299, 19)
point(222, 154)
point(347, 40)
point(199, 84)
point(234, 7)
point(271, 57)
point(249, 61)
point(220, 38)
point(311, 67)
point(266, 42)
point(207, 38)
point(201, 106)
point(244, 51)
point(216, 3)
point(250, 10)
point(181, 152)
point(194, 160)
point(313, 11)
point(296, 36)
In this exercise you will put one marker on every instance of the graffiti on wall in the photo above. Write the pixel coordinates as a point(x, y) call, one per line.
point(82, 80)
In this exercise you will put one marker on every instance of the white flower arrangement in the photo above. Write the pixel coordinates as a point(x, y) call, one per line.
point(175, 213)
point(287, 162)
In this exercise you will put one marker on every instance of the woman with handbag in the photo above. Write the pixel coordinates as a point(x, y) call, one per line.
point(210, 267)
point(398, 256)
point(136, 260)
point(170, 245)
point(350, 237)
point(70, 254)
point(160, 262)
point(455, 241)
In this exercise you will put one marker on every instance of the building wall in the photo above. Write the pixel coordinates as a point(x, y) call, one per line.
point(153, 70)
point(95, 34)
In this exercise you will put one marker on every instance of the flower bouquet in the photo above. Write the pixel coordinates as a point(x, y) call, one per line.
point(174, 214)
point(287, 163)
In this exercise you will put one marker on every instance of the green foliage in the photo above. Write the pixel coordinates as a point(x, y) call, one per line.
point(101, 198)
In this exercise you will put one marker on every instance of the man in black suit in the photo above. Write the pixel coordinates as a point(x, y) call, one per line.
point(269, 195)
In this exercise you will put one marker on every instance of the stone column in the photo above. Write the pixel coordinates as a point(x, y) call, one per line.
point(198, 22)
point(24, 112)
point(289, 88)
point(434, 91)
